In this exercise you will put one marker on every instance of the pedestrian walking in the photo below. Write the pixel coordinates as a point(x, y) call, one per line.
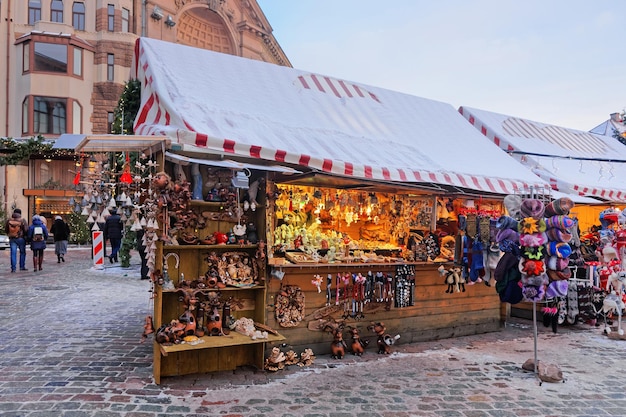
point(141, 248)
point(61, 232)
point(17, 228)
point(37, 236)
point(113, 229)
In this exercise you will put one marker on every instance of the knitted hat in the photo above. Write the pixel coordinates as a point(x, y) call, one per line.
point(18, 211)
point(506, 222)
point(512, 293)
point(555, 263)
point(531, 225)
point(558, 235)
point(562, 275)
point(560, 249)
point(533, 293)
point(559, 222)
point(508, 246)
point(532, 207)
point(531, 267)
point(512, 204)
point(557, 289)
point(507, 234)
point(533, 239)
point(559, 206)
point(536, 280)
point(534, 253)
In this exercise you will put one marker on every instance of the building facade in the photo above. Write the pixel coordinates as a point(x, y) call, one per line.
point(67, 62)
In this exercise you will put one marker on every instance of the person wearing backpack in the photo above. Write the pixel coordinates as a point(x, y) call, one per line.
point(17, 229)
point(61, 232)
point(113, 231)
point(37, 236)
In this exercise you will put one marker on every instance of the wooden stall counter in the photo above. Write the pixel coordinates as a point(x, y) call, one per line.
point(412, 299)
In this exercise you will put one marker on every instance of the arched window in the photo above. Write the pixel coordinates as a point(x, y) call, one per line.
point(78, 15)
point(56, 11)
point(34, 11)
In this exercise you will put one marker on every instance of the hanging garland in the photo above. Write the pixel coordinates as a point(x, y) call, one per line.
point(16, 151)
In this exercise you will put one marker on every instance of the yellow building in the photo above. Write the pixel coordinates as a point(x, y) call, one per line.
point(67, 61)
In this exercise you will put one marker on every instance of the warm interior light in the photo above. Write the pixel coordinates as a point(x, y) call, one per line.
point(48, 160)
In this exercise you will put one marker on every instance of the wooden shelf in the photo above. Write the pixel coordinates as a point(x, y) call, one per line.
point(211, 342)
point(228, 288)
point(202, 203)
point(197, 247)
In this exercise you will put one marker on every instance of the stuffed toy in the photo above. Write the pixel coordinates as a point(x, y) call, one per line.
point(617, 280)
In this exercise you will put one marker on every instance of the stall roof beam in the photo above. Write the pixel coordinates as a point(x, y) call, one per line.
point(111, 143)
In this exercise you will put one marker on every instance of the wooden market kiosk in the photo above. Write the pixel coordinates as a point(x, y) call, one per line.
point(348, 256)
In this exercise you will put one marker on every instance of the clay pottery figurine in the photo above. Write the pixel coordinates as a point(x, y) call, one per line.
point(252, 235)
point(161, 181)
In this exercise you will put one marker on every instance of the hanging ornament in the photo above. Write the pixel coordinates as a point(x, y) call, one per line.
point(126, 178)
point(77, 176)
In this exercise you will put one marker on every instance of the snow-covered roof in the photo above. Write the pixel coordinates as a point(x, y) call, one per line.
point(208, 102)
point(572, 161)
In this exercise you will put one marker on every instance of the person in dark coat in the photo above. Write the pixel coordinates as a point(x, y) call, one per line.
point(37, 236)
point(113, 231)
point(141, 248)
point(61, 232)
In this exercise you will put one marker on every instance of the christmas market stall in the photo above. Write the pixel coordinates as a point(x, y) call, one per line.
point(292, 207)
point(588, 167)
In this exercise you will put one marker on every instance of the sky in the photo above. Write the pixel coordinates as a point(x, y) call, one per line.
point(558, 62)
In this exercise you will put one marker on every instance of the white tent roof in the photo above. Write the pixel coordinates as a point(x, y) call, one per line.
point(613, 125)
point(572, 161)
point(208, 102)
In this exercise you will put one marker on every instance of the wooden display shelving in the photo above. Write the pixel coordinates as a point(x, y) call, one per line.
point(209, 353)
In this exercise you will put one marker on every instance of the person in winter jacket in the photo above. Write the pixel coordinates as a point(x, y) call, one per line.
point(37, 236)
point(113, 229)
point(61, 232)
point(17, 228)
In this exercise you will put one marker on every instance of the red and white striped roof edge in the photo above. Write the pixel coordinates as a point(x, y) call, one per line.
point(556, 183)
point(156, 117)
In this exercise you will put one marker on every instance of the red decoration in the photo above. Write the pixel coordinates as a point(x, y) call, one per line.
point(126, 178)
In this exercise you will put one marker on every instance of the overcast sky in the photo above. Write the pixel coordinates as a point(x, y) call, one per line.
point(560, 62)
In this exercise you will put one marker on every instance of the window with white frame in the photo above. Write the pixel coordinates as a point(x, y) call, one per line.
point(110, 67)
point(125, 20)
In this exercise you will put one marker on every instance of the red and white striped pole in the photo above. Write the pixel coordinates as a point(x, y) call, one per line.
point(97, 248)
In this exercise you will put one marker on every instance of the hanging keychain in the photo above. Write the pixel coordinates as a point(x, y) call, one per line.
point(329, 282)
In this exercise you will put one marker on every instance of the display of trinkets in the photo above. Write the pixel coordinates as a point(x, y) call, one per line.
point(405, 286)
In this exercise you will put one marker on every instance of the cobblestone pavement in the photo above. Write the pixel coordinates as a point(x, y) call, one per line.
point(71, 347)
